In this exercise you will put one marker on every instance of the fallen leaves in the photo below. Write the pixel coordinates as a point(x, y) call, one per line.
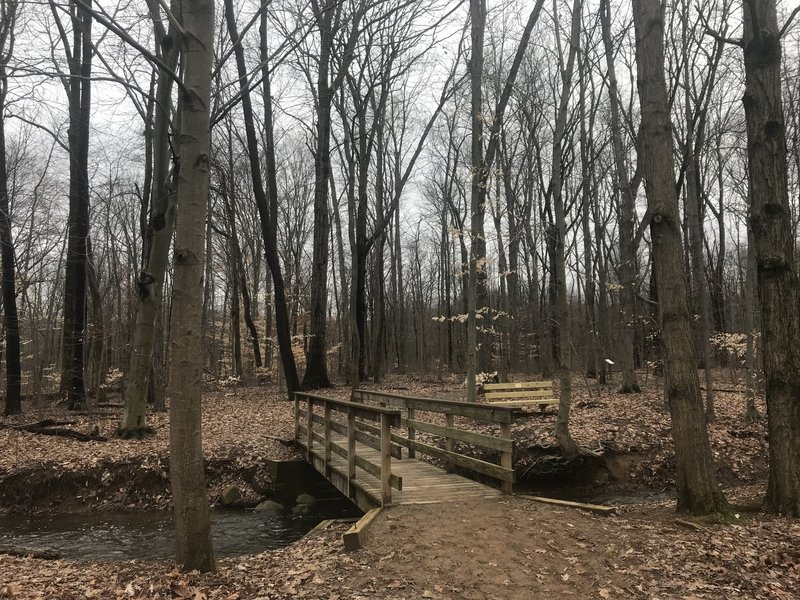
point(506, 549)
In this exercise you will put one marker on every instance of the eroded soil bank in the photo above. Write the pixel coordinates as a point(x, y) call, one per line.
point(514, 548)
point(242, 432)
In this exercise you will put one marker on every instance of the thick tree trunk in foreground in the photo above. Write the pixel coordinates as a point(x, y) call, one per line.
point(698, 490)
point(749, 295)
point(770, 215)
point(192, 524)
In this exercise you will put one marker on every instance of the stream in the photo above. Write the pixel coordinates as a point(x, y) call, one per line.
point(150, 535)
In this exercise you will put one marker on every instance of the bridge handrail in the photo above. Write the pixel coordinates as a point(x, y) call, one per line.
point(387, 418)
point(450, 408)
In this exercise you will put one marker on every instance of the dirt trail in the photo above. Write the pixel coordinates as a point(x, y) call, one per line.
point(511, 549)
point(508, 549)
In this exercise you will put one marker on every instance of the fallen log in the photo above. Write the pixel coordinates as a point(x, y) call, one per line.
point(30, 552)
point(690, 525)
point(46, 427)
point(40, 424)
point(595, 508)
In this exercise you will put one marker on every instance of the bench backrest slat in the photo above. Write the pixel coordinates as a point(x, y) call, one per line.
point(519, 385)
point(519, 394)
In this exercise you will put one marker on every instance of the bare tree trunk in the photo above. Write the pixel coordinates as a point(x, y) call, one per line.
point(266, 200)
point(512, 280)
point(778, 289)
point(698, 489)
point(699, 287)
point(378, 277)
point(627, 249)
point(590, 335)
point(477, 297)
point(602, 299)
point(97, 340)
point(162, 223)
point(238, 268)
point(569, 448)
point(316, 375)
point(236, 314)
point(193, 547)
point(80, 66)
point(750, 300)
point(13, 400)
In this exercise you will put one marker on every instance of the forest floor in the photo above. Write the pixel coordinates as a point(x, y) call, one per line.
point(512, 548)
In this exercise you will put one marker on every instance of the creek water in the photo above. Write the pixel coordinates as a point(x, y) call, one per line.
point(150, 535)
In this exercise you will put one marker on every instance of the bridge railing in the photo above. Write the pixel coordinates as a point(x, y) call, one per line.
point(414, 422)
point(314, 429)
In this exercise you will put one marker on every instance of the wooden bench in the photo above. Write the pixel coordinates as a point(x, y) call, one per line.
point(519, 394)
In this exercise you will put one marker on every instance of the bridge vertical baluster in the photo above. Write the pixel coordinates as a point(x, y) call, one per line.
point(351, 449)
point(310, 427)
point(506, 458)
point(386, 461)
point(448, 441)
point(327, 412)
point(296, 418)
point(412, 431)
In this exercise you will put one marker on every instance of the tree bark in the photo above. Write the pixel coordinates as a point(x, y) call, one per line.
point(266, 200)
point(193, 546)
point(698, 489)
point(150, 285)
point(13, 399)
point(477, 11)
point(569, 449)
point(80, 85)
point(750, 300)
point(481, 166)
point(627, 249)
point(316, 375)
point(770, 215)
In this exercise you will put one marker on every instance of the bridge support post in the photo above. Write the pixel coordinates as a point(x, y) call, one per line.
point(351, 450)
point(506, 459)
point(296, 418)
point(450, 421)
point(327, 450)
point(412, 432)
point(309, 428)
point(386, 461)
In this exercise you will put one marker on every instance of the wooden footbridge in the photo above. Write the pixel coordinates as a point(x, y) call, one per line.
point(370, 446)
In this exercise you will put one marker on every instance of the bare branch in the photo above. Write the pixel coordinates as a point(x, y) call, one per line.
point(788, 22)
